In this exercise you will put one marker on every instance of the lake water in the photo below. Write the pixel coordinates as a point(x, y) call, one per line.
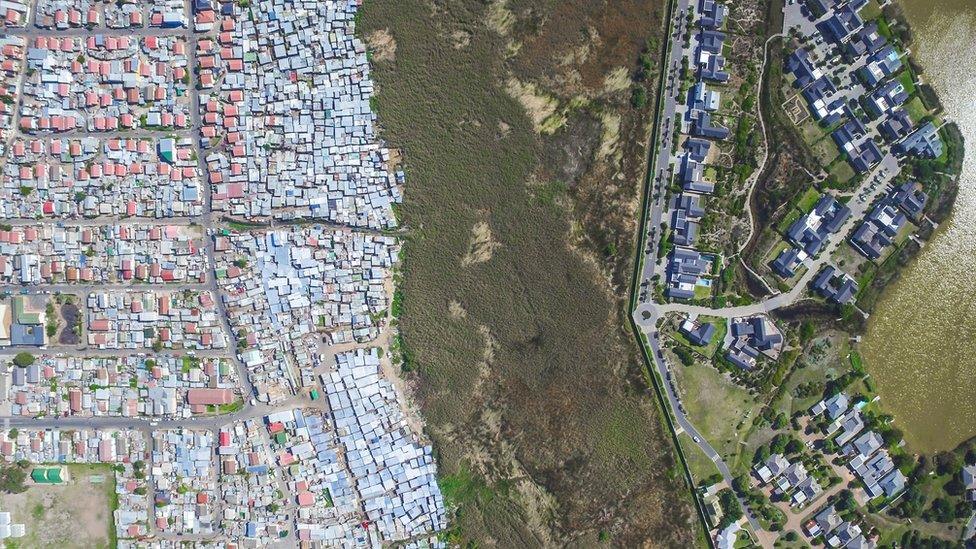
point(920, 346)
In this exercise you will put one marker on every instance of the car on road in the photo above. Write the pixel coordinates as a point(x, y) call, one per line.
point(696, 439)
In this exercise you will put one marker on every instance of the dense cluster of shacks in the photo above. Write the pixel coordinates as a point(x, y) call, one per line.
point(287, 132)
point(91, 176)
point(11, 66)
point(105, 83)
point(395, 476)
point(53, 254)
point(699, 130)
point(316, 479)
point(300, 285)
point(165, 386)
point(251, 489)
point(185, 480)
point(73, 14)
point(72, 446)
point(161, 319)
point(305, 143)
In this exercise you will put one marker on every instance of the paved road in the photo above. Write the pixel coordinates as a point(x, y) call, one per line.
point(668, 121)
point(660, 178)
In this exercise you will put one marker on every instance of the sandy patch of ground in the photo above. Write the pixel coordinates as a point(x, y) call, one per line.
point(542, 109)
point(74, 514)
point(383, 45)
point(456, 310)
point(610, 136)
point(500, 18)
point(482, 245)
point(461, 39)
point(618, 80)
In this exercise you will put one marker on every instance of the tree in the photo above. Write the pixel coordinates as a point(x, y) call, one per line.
point(23, 359)
point(948, 463)
point(892, 436)
point(794, 446)
point(845, 500)
point(638, 97)
point(12, 479)
point(778, 445)
point(911, 503)
point(731, 509)
point(12, 434)
point(807, 330)
point(941, 511)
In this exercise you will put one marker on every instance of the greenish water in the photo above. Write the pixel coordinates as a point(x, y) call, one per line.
point(920, 346)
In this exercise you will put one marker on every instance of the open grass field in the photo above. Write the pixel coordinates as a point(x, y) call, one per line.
point(721, 410)
point(523, 158)
point(76, 514)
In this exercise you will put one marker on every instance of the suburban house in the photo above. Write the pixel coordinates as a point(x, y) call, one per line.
point(692, 174)
point(803, 70)
point(865, 41)
point(896, 126)
point(697, 333)
point(910, 198)
point(969, 481)
point(881, 64)
point(834, 406)
point(884, 99)
point(844, 22)
point(924, 142)
point(772, 468)
point(823, 522)
point(712, 14)
point(787, 262)
point(702, 126)
point(684, 231)
point(878, 229)
point(835, 285)
point(810, 232)
point(686, 268)
point(753, 336)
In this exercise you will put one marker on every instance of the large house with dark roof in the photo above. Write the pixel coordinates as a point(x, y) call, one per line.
point(802, 68)
point(702, 126)
point(712, 14)
point(710, 62)
point(835, 285)
point(887, 97)
point(692, 176)
point(865, 41)
point(897, 125)
point(752, 337)
point(699, 334)
point(810, 231)
point(882, 64)
point(924, 142)
point(878, 229)
point(911, 199)
point(844, 22)
point(686, 267)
